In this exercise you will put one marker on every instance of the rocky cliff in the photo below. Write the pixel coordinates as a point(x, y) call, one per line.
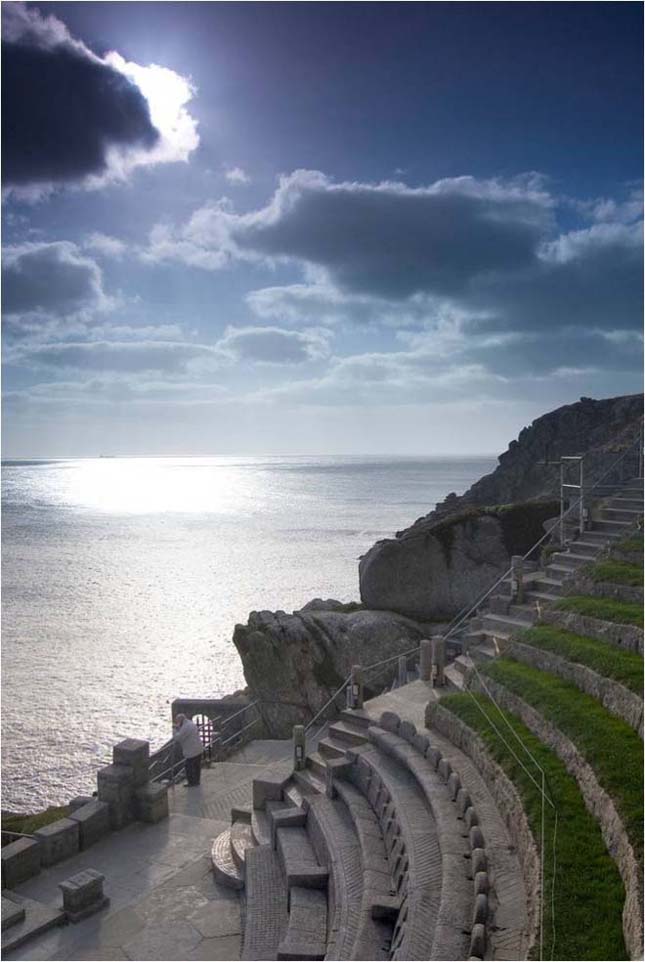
point(293, 663)
point(444, 560)
point(439, 566)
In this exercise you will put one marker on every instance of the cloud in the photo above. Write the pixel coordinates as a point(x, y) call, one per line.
point(50, 279)
point(274, 345)
point(235, 175)
point(71, 117)
point(169, 357)
point(115, 389)
point(105, 245)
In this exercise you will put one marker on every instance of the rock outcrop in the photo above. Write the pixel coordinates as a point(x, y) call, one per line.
point(600, 430)
point(293, 663)
point(437, 567)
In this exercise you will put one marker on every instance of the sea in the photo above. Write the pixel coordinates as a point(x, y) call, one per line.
point(123, 579)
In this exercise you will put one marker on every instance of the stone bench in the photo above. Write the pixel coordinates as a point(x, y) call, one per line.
point(306, 935)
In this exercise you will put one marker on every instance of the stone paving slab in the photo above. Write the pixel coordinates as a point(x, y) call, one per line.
point(164, 901)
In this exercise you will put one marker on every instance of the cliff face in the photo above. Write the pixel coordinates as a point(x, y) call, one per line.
point(446, 559)
point(293, 663)
point(437, 567)
point(600, 430)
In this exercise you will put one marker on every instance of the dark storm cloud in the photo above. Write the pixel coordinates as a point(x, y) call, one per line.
point(63, 108)
point(392, 241)
point(50, 279)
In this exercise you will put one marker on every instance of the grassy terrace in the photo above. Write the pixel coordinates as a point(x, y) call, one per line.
point(622, 666)
point(26, 824)
point(612, 749)
point(589, 894)
point(606, 609)
point(618, 573)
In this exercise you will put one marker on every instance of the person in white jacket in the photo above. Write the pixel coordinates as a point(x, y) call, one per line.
point(187, 734)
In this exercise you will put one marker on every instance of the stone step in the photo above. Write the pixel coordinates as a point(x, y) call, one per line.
point(544, 597)
point(261, 827)
point(623, 513)
point(344, 732)
point(558, 572)
point(309, 782)
point(623, 501)
point(356, 717)
point(306, 935)
point(298, 859)
point(38, 918)
point(487, 649)
point(570, 558)
point(12, 911)
point(225, 869)
point(266, 913)
point(510, 623)
point(455, 679)
point(603, 524)
point(330, 748)
point(241, 840)
point(317, 764)
point(590, 549)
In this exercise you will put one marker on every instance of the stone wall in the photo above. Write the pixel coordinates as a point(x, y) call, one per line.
point(505, 796)
point(598, 802)
point(628, 637)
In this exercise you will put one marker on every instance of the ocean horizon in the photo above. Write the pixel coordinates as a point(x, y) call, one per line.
point(123, 579)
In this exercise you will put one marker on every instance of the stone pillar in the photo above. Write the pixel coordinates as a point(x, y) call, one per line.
point(403, 670)
point(517, 579)
point(439, 659)
point(299, 747)
point(356, 687)
point(425, 660)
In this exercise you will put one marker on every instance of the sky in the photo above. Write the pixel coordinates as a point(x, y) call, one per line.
point(316, 228)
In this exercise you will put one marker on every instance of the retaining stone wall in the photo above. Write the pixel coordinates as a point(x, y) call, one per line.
point(628, 637)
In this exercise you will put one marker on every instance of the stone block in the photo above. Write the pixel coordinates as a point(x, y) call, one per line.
point(21, 860)
point(476, 837)
point(408, 731)
point(79, 800)
point(93, 822)
point(471, 818)
point(479, 861)
point(421, 743)
point(454, 785)
point(480, 910)
point(434, 757)
point(481, 884)
point(115, 783)
point(478, 941)
point(445, 769)
point(134, 753)
point(267, 790)
point(463, 801)
point(12, 912)
point(83, 894)
point(390, 721)
point(58, 840)
point(151, 802)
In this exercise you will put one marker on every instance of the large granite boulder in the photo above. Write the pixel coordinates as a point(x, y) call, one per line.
point(437, 567)
point(293, 663)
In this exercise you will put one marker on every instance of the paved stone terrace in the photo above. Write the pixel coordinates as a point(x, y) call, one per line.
point(164, 903)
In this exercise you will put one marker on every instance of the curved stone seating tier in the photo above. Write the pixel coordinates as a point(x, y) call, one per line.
point(374, 935)
point(306, 936)
point(412, 847)
point(266, 913)
point(336, 845)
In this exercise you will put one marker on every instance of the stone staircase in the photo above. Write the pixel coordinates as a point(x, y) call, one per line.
point(481, 636)
point(24, 919)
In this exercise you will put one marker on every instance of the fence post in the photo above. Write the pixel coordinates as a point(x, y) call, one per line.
point(425, 660)
point(356, 687)
point(298, 747)
point(439, 659)
point(403, 671)
point(517, 579)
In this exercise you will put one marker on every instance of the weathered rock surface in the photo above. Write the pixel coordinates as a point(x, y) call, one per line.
point(293, 663)
point(600, 430)
point(438, 566)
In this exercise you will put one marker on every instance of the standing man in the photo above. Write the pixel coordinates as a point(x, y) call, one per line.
point(187, 734)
